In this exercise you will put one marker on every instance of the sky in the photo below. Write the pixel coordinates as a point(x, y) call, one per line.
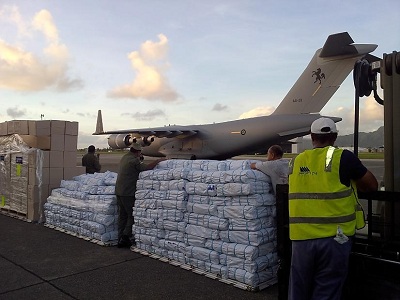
point(156, 62)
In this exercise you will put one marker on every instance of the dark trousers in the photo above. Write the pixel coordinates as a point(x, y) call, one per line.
point(318, 269)
point(125, 216)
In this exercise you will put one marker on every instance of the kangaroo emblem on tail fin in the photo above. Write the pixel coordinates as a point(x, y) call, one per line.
point(318, 75)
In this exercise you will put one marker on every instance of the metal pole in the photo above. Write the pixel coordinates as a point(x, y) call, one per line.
point(396, 119)
point(387, 85)
point(356, 121)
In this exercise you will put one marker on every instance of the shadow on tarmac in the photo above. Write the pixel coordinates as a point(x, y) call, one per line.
point(37, 262)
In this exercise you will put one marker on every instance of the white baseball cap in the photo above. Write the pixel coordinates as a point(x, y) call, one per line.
point(323, 126)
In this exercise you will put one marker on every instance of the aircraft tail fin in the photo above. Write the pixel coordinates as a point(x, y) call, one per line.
point(99, 123)
point(326, 71)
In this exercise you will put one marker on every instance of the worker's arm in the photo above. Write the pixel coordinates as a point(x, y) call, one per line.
point(253, 166)
point(154, 163)
point(367, 183)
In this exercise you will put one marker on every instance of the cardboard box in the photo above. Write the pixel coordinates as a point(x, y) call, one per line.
point(71, 128)
point(18, 202)
point(56, 175)
point(18, 127)
point(38, 193)
point(56, 159)
point(38, 176)
point(19, 194)
point(37, 141)
point(57, 142)
point(19, 165)
point(53, 186)
point(70, 172)
point(70, 159)
point(5, 164)
point(39, 127)
point(37, 197)
point(35, 212)
point(3, 128)
point(57, 127)
point(5, 179)
point(39, 157)
point(71, 142)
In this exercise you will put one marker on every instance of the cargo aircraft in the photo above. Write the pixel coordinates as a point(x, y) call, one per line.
point(326, 71)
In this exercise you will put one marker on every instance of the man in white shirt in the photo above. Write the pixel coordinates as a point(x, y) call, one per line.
point(275, 167)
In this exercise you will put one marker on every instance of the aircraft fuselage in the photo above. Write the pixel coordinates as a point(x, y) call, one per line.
point(227, 139)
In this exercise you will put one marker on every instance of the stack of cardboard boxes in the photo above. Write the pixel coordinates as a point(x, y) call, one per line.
point(34, 157)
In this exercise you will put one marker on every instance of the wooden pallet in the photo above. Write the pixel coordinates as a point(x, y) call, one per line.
point(14, 214)
point(232, 282)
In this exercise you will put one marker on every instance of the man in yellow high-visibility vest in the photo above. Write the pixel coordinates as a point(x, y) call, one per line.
point(323, 203)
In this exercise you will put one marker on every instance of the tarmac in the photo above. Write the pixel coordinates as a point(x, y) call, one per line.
point(38, 262)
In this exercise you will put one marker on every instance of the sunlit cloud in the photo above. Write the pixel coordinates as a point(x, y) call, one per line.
point(43, 21)
point(370, 116)
point(23, 70)
point(257, 112)
point(10, 14)
point(150, 64)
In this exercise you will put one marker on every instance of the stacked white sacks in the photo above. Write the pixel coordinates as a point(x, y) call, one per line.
point(85, 206)
point(218, 216)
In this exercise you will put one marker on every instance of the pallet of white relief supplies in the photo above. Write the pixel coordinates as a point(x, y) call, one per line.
point(188, 267)
point(92, 240)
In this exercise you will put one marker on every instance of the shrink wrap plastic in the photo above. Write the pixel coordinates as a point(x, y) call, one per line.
point(16, 160)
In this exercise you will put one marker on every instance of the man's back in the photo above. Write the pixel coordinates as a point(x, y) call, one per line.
point(91, 162)
point(277, 170)
point(128, 174)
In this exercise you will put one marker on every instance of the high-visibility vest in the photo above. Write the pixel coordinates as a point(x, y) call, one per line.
point(318, 201)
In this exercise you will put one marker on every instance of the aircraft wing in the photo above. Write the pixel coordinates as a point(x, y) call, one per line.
point(160, 132)
point(174, 131)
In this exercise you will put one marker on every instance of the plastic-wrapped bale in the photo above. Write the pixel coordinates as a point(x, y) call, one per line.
point(85, 206)
point(228, 226)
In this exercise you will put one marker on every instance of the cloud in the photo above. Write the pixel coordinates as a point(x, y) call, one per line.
point(11, 14)
point(220, 107)
point(150, 83)
point(371, 111)
point(43, 21)
point(15, 112)
point(67, 84)
point(370, 116)
point(23, 70)
point(86, 115)
point(257, 112)
point(147, 116)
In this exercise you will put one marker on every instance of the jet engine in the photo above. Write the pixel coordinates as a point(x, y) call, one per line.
point(147, 140)
point(121, 141)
